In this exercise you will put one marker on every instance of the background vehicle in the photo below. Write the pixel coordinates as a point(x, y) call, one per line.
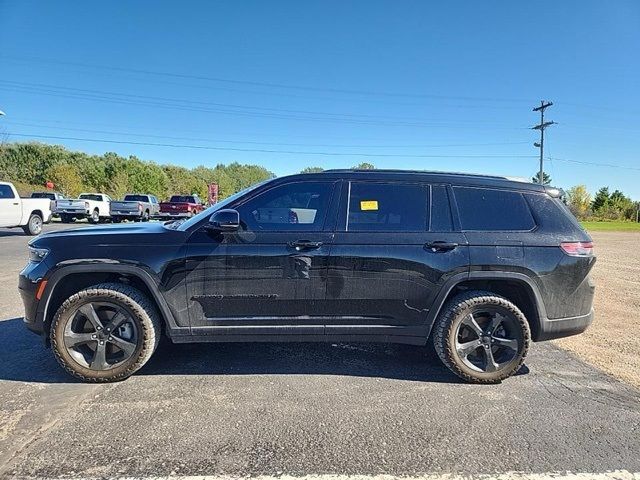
point(53, 196)
point(135, 207)
point(479, 266)
point(181, 206)
point(92, 206)
point(28, 213)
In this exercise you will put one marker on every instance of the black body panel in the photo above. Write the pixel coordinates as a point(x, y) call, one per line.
point(297, 269)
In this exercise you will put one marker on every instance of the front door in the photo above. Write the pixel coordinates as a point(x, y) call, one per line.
point(270, 276)
point(10, 209)
point(394, 248)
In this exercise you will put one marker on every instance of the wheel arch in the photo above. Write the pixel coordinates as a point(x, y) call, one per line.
point(516, 287)
point(69, 280)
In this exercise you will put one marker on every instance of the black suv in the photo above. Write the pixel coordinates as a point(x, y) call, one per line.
point(477, 265)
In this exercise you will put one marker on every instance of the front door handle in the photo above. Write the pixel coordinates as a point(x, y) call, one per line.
point(305, 245)
point(440, 246)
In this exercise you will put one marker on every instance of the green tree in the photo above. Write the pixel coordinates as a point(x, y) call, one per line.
point(601, 200)
point(66, 179)
point(364, 166)
point(312, 170)
point(546, 178)
point(579, 201)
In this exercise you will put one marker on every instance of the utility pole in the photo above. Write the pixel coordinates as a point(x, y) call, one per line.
point(541, 126)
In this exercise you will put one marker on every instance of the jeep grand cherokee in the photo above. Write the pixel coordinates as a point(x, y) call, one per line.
point(479, 266)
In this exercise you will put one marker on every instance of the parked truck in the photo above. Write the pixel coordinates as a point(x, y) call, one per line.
point(28, 213)
point(92, 206)
point(181, 206)
point(137, 207)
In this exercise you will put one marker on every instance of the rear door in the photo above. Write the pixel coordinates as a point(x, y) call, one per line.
point(394, 248)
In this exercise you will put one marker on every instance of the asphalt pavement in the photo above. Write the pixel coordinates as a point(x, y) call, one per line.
point(301, 410)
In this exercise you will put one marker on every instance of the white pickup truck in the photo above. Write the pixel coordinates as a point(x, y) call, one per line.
point(28, 213)
point(92, 206)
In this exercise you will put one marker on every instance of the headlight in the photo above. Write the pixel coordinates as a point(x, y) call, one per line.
point(36, 255)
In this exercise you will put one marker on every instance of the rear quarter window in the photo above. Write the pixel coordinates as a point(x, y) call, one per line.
point(488, 209)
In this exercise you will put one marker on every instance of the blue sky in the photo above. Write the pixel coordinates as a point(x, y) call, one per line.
point(290, 84)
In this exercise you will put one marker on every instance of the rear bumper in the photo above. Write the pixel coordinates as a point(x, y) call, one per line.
point(563, 327)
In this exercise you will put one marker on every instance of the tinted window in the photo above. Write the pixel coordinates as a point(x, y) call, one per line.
point(6, 192)
point(88, 196)
point(136, 198)
point(494, 210)
point(441, 220)
point(382, 207)
point(50, 196)
point(183, 199)
point(290, 207)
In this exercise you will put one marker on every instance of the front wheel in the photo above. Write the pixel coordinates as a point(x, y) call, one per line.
point(34, 225)
point(482, 337)
point(105, 333)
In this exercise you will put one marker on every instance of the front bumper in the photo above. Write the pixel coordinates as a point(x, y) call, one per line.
point(28, 290)
point(564, 327)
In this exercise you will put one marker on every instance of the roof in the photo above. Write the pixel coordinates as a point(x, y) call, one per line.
point(456, 178)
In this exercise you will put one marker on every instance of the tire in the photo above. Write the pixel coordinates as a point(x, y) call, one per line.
point(141, 318)
point(95, 216)
point(481, 337)
point(34, 225)
point(145, 216)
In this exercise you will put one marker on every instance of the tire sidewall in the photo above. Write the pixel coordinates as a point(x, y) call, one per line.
point(35, 224)
point(65, 315)
point(446, 334)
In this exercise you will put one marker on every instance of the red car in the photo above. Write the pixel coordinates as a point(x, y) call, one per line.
point(180, 206)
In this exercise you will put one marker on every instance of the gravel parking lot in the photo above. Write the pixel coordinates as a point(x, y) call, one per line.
point(304, 409)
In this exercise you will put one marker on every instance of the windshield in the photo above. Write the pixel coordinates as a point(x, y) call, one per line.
point(184, 225)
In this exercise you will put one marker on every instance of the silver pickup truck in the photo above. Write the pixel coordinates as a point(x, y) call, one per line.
point(135, 207)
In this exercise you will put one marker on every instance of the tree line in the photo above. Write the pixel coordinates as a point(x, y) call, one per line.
point(31, 165)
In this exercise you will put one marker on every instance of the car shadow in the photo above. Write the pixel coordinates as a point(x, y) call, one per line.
point(26, 359)
point(13, 232)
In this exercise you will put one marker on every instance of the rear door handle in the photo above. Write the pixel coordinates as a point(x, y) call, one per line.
point(440, 246)
point(305, 245)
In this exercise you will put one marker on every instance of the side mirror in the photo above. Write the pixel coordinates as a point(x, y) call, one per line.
point(226, 220)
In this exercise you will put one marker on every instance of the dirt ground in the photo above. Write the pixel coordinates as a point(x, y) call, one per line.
point(612, 343)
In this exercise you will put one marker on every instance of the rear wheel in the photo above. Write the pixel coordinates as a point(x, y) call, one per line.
point(482, 337)
point(34, 225)
point(105, 333)
point(145, 216)
point(95, 216)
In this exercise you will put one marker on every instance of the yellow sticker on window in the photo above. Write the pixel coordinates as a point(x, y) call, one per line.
point(368, 205)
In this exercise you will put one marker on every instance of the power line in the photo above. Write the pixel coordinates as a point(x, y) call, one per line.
point(172, 106)
point(608, 165)
point(255, 83)
point(205, 147)
point(105, 94)
point(248, 142)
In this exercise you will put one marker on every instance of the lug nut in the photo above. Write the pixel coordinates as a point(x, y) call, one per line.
point(101, 342)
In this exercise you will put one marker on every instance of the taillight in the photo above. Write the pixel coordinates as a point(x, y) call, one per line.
point(577, 249)
point(139, 206)
point(86, 205)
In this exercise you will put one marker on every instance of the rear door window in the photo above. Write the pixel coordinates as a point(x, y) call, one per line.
point(487, 209)
point(387, 207)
